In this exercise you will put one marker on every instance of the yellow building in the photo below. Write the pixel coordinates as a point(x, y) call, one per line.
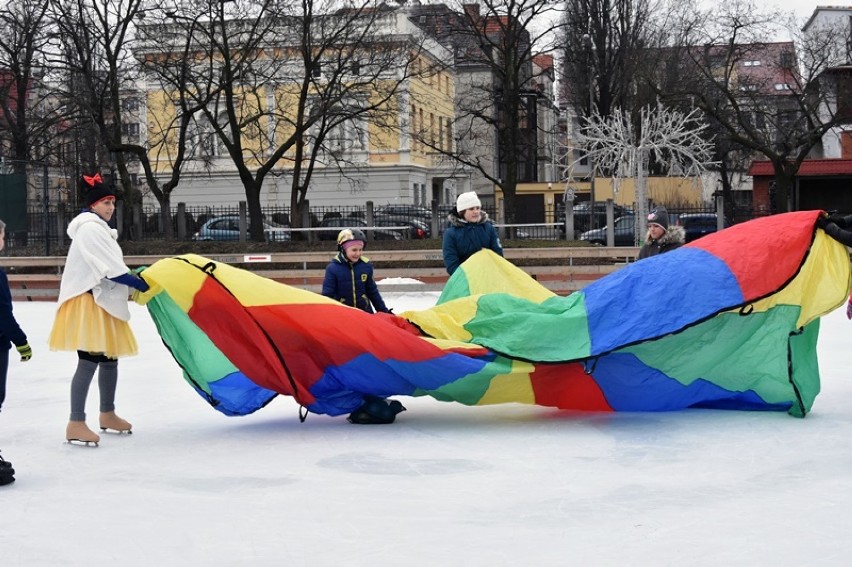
point(377, 155)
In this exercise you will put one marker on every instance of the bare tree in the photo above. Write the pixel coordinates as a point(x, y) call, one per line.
point(25, 117)
point(604, 44)
point(280, 89)
point(767, 97)
point(496, 133)
point(664, 135)
point(95, 46)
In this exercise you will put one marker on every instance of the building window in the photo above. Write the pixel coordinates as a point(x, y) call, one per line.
point(130, 131)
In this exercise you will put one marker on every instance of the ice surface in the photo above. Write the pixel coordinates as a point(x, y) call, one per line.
point(445, 485)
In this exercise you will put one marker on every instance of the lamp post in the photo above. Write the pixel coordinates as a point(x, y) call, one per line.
point(588, 39)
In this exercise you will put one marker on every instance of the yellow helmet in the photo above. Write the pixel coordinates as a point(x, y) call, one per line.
point(348, 234)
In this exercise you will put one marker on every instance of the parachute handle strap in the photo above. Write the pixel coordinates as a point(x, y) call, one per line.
point(209, 268)
point(589, 365)
point(746, 310)
point(303, 414)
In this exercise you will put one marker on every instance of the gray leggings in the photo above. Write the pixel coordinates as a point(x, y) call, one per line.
point(107, 380)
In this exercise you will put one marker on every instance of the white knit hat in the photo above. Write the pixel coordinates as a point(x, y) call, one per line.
point(466, 201)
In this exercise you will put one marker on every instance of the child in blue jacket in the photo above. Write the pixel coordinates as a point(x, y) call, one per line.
point(470, 230)
point(349, 275)
point(349, 280)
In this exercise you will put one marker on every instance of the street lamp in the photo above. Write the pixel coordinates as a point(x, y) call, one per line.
point(587, 38)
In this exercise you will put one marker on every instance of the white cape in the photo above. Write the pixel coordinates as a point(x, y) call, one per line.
point(93, 256)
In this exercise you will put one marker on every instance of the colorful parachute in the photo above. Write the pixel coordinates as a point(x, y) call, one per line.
point(728, 321)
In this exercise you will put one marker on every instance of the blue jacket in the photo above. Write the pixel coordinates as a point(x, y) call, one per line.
point(464, 239)
point(10, 331)
point(352, 284)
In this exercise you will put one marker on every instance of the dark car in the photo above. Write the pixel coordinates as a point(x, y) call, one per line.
point(583, 216)
point(409, 211)
point(228, 228)
point(336, 224)
point(623, 229)
point(696, 225)
point(417, 228)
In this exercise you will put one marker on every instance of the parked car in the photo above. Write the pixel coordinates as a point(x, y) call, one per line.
point(417, 228)
point(623, 228)
point(336, 224)
point(696, 225)
point(228, 228)
point(583, 216)
point(409, 211)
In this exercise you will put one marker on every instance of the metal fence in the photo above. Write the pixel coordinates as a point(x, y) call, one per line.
point(47, 228)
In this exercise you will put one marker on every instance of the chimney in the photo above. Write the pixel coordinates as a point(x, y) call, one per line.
point(472, 11)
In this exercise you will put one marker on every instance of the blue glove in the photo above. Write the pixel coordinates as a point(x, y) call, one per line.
point(131, 280)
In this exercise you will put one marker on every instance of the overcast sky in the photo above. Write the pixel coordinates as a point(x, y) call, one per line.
point(801, 8)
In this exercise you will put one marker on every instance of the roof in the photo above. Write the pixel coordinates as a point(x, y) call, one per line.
point(819, 9)
point(545, 62)
point(809, 168)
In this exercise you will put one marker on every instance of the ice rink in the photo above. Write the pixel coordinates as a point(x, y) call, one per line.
point(445, 485)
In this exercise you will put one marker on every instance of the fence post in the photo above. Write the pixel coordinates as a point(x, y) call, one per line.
point(610, 223)
point(61, 212)
point(370, 219)
point(306, 220)
point(242, 221)
point(46, 202)
point(181, 221)
point(137, 224)
point(569, 217)
point(501, 219)
point(436, 227)
point(720, 212)
point(119, 217)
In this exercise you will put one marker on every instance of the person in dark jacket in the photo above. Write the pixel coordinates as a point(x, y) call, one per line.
point(349, 280)
point(661, 237)
point(349, 275)
point(839, 227)
point(10, 333)
point(469, 232)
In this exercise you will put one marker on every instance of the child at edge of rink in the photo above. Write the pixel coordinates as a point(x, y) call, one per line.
point(349, 275)
point(349, 280)
point(92, 318)
point(10, 333)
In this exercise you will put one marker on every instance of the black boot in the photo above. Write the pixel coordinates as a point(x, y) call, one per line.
point(376, 410)
point(7, 473)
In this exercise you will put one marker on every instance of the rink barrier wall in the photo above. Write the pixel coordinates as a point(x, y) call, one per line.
point(36, 278)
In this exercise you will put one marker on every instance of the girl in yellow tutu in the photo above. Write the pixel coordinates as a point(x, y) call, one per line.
point(93, 313)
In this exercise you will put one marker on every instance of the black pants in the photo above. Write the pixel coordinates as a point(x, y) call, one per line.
point(4, 370)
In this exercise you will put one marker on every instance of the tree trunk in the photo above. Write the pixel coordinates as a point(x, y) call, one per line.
point(255, 215)
point(166, 217)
